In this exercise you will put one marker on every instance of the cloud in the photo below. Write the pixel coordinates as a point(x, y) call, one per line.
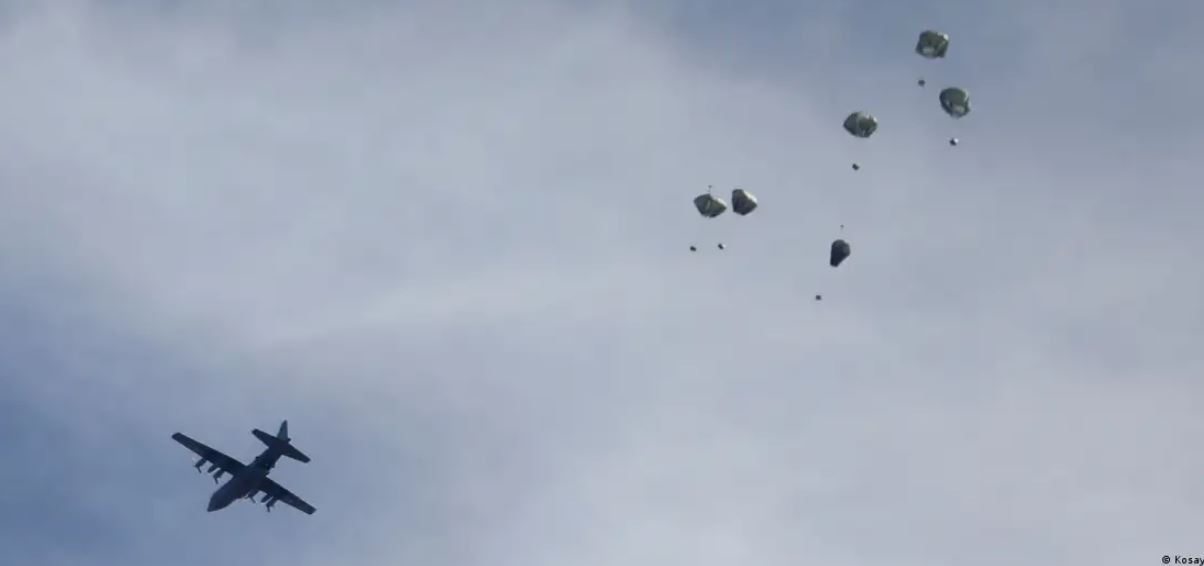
point(448, 243)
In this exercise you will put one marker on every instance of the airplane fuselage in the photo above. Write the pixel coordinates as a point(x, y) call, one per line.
point(245, 483)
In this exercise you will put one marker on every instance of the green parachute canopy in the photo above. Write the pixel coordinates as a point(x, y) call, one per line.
point(955, 101)
point(840, 252)
point(709, 206)
point(743, 202)
point(932, 44)
point(861, 124)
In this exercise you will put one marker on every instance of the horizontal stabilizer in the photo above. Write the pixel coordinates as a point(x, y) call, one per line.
point(281, 445)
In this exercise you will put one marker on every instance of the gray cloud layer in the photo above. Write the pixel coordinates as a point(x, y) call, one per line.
point(449, 244)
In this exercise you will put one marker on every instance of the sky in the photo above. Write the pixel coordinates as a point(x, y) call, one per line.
point(448, 241)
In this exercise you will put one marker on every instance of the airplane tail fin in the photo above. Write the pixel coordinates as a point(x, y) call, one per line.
point(281, 442)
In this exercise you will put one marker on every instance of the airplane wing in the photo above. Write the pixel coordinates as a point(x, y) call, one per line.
point(274, 491)
point(207, 454)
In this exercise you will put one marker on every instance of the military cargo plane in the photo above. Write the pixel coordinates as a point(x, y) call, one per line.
point(247, 481)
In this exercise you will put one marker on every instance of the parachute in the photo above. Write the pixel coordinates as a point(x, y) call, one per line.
point(955, 101)
point(709, 206)
point(861, 124)
point(840, 252)
point(932, 44)
point(743, 202)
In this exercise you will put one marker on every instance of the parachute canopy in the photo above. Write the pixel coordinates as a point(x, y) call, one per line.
point(743, 202)
point(709, 206)
point(955, 101)
point(932, 44)
point(860, 124)
point(840, 252)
